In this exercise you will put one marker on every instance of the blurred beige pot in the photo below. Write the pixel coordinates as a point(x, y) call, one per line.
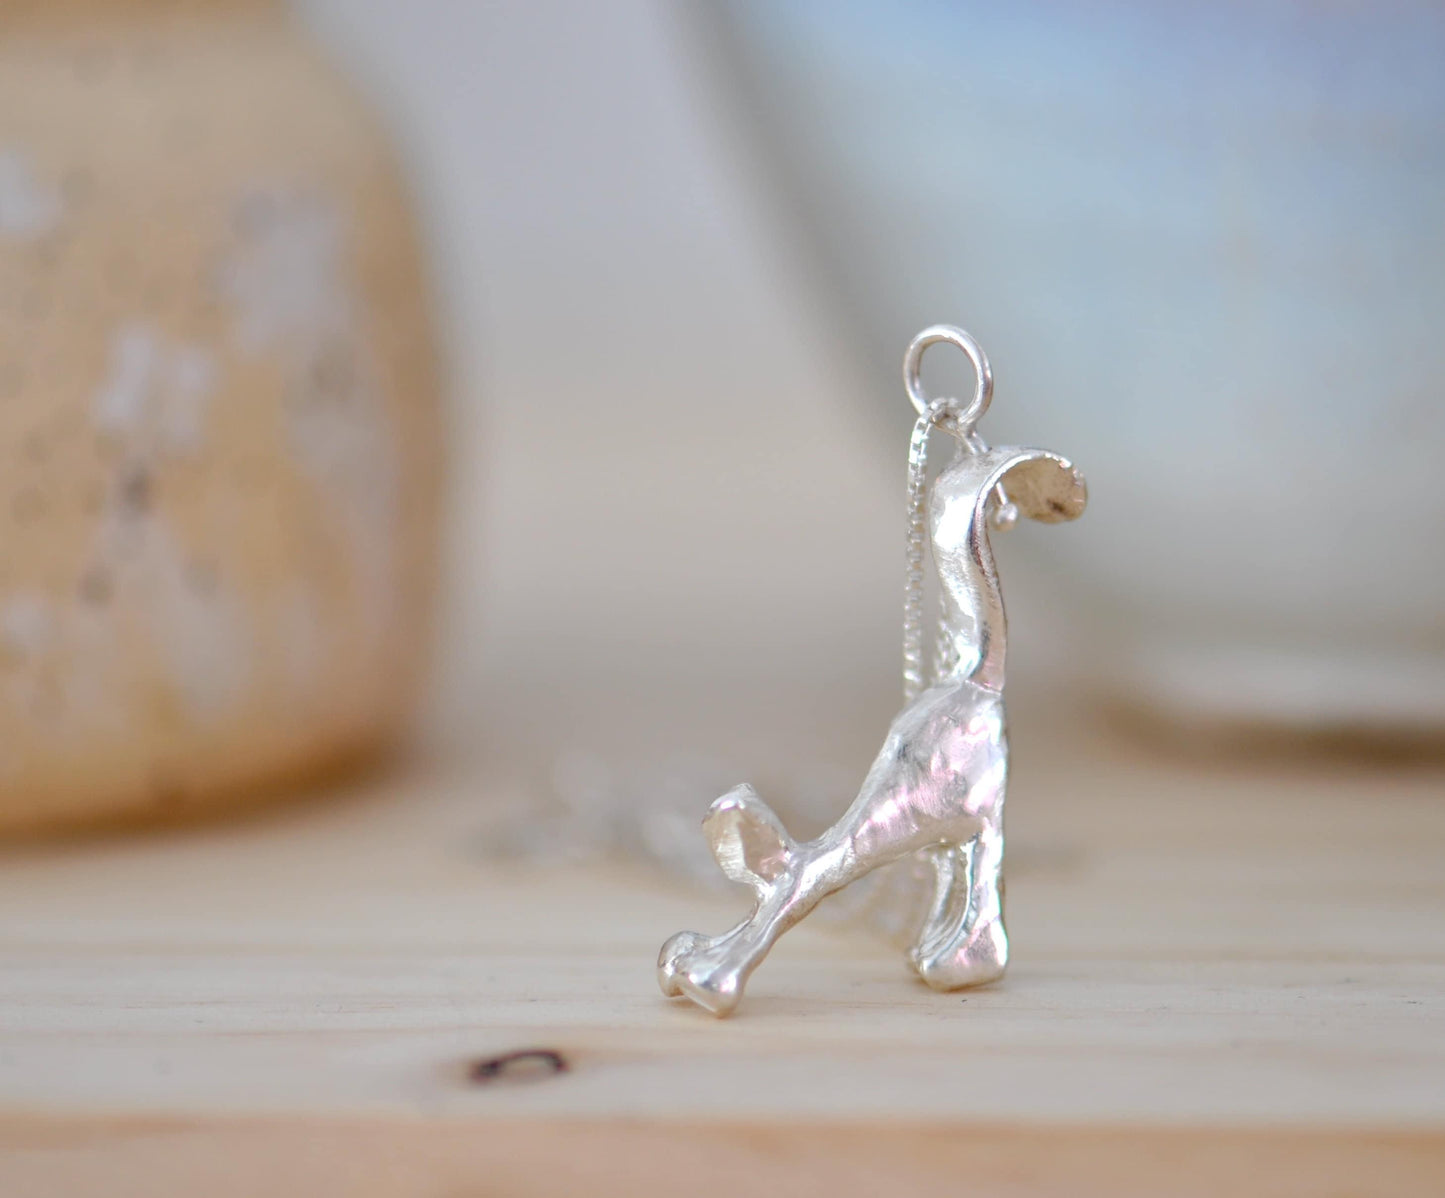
point(218, 415)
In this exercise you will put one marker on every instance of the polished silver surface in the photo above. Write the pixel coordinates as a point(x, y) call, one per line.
point(947, 334)
point(936, 790)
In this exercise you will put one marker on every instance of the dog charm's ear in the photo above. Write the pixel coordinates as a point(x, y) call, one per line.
point(748, 840)
point(1040, 485)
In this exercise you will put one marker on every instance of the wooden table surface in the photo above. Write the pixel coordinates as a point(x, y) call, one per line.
point(1227, 979)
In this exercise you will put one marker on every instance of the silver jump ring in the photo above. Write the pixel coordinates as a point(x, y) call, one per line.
point(913, 363)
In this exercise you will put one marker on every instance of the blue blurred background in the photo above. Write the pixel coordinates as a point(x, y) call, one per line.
point(1203, 244)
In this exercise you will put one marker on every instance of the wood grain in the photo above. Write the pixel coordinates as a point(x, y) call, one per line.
point(1227, 979)
point(621, 1159)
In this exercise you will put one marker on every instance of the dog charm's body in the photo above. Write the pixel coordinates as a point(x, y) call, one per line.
point(936, 787)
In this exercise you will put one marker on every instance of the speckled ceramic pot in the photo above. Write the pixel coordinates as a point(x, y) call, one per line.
point(218, 417)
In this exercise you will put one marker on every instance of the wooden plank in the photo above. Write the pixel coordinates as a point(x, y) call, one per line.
point(1221, 973)
point(154, 1158)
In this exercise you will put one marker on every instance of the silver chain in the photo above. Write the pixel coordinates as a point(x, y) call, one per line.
point(941, 414)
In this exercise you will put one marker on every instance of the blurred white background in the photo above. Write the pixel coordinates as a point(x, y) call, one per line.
point(663, 457)
point(632, 353)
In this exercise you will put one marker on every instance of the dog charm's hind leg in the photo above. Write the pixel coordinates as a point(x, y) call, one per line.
point(945, 861)
point(968, 945)
point(948, 906)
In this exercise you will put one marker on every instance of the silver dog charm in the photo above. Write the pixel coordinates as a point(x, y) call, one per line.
point(936, 788)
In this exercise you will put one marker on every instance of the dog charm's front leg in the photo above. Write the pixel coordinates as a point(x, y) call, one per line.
point(753, 849)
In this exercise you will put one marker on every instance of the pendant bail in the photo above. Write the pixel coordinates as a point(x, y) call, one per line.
point(962, 421)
